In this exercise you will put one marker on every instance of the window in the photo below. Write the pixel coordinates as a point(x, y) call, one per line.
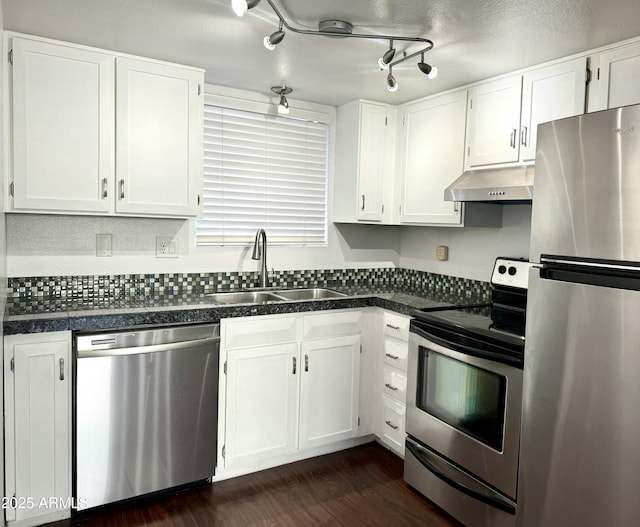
point(263, 171)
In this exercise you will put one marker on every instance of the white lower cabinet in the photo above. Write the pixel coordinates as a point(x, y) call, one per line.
point(37, 394)
point(291, 385)
point(391, 380)
point(329, 386)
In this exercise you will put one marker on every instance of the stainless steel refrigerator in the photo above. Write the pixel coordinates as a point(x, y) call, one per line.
point(580, 449)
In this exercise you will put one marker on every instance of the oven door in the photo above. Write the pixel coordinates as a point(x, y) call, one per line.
point(465, 408)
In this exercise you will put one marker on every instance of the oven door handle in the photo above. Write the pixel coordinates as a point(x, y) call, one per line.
point(509, 360)
point(482, 493)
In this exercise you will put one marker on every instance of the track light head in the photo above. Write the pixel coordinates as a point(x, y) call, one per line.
point(392, 83)
point(386, 59)
point(273, 40)
point(282, 91)
point(430, 71)
point(240, 7)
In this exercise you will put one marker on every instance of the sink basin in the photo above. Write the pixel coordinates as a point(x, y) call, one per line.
point(244, 297)
point(315, 293)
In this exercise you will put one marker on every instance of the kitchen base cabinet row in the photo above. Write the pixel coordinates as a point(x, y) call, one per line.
point(291, 387)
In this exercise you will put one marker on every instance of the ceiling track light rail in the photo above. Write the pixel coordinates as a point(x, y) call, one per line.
point(342, 29)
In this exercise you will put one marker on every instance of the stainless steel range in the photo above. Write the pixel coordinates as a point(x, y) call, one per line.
point(464, 403)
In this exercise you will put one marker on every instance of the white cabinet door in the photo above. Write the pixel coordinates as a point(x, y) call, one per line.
point(371, 161)
point(159, 139)
point(329, 390)
point(262, 403)
point(432, 157)
point(619, 78)
point(494, 122)
point(549, 93)
point(38, 424)
point(63, 124)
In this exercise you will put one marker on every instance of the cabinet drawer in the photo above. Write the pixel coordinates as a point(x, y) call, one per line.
point(395, 353)
point(395, 326)
point(393, 419)
point(332, 324)
point(394, 384)
point(258, 331)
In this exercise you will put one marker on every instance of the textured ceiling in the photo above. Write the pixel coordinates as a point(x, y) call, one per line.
point(474, 39)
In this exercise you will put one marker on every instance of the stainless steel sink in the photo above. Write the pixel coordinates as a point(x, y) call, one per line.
point(244, 297)
point(315, 293)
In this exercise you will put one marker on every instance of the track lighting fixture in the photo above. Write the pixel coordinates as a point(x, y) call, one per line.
point(274, 39)
point(392, 83)
point(386, 59)
point(430, 71)
point(240, 7)
point(340, 28)
point(282, 91)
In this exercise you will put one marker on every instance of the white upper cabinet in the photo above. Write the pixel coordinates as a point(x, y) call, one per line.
point(493, 122)
point(618, 80)
point(159, 132)
point(88, 141)
point(364, 149)
point(63, 128)
point(430, 157)
point(504, 114)
point(549, 93)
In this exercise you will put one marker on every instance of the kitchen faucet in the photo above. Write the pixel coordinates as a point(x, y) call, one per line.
point(261, 255)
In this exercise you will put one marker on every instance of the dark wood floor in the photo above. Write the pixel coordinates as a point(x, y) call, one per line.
point(362, 486)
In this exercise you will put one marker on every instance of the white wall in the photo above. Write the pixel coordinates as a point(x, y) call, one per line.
point(40, 245)
point(43, 245)
point(472, 251)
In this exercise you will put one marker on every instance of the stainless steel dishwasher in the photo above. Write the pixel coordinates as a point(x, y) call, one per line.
point(146, 407)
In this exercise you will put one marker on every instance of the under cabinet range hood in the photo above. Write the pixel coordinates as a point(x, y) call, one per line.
point(493, 184)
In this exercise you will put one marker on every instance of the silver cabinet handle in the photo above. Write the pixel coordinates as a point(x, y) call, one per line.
point(394, 357)
point(391, 386)
point(294, 365)
point(306, 363)
point(104, 188)
point(122, 189)
point(512, 141)
point(362, 207)
point(391, 425)
point(198, 200)
point(523, 136)
point(397, 328)
point(62, 369)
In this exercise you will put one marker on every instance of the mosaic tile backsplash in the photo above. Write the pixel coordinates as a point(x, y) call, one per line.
point(96, 288)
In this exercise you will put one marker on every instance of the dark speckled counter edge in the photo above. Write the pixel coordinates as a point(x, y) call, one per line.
point(103, 319)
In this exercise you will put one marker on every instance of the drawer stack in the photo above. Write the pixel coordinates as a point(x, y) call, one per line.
point(393, 380)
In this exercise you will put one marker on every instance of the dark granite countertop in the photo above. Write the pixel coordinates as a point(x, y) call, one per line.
point(42, 314)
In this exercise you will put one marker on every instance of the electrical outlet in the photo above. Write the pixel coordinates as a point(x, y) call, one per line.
point(166, 247)
point(442, 252)
point(103, 244)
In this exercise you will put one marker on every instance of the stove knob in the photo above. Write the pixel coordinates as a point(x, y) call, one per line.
point(512, 270)
point(502, 269)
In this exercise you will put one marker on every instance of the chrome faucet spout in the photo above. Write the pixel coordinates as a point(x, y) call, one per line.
point(260, 253)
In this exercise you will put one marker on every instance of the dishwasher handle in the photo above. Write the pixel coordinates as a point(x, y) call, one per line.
point(153, 348)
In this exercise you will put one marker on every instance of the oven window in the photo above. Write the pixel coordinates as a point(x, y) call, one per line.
point(464, 396)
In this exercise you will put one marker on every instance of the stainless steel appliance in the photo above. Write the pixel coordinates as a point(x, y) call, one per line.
point(146, 404)
point(580, 454)
point(464, 401)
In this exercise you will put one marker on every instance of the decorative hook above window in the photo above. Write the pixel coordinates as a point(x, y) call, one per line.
point(345, 29)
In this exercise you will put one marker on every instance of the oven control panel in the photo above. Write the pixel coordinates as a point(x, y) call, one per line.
point(511, 273)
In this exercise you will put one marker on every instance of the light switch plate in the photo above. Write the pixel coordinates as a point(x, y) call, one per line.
point(103, 244)
point(166, 247)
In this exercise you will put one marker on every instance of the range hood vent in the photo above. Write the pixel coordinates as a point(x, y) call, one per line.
point(493, 184)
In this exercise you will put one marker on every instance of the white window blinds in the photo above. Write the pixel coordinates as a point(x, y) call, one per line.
point(263, 171)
